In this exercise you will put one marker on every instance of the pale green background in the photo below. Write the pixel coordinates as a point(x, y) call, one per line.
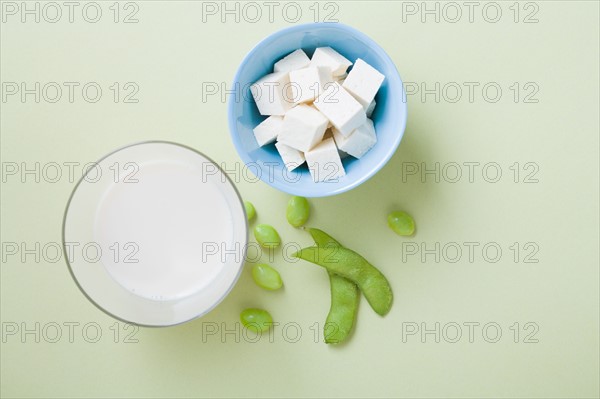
point(170, 52)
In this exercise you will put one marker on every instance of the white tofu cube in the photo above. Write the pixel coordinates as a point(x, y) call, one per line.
point(328, 57)
point(303, 127)
point(326, 76)
point(359, 142)
point(306, 84)
point(296, 60)
point(329, 134)
point(271, 94)
point(268, 130)
point(363, 81)
point(292, 158)
point(370, 108)
point(329, 125)
point(344, 112)
point(324, 162)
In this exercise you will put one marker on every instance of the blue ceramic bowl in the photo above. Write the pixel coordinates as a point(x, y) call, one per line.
point(389, 116)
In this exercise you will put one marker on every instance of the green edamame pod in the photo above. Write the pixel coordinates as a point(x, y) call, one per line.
point(344, 297)
point(349, 264)
point(342, 312)
point(298, 210)
point(322, 239)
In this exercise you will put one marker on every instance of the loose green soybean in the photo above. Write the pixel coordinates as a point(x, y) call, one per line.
point(250, 211)
point(298, 211)
point(266, 277)
point(344, 297)
point(257, 320)
point(402, 223)
point(349, 264)
point(267, 236)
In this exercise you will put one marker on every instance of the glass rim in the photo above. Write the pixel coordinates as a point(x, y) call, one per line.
point(81, 180)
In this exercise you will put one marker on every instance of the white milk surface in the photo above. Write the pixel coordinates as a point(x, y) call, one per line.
point(163, 221)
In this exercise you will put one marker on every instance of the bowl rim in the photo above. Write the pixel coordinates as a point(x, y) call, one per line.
point(339, 189)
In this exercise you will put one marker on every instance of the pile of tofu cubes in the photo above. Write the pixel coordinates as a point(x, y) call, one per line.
point(317, 112)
